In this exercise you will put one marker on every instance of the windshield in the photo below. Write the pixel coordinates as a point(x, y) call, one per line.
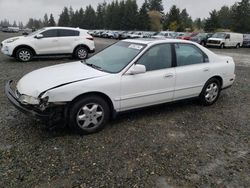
point(219, 35)
point(116, 57)
point(35, 32)
point(247, 36)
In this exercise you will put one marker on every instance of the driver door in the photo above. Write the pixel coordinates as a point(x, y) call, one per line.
point(155, 86)
point(49, 44)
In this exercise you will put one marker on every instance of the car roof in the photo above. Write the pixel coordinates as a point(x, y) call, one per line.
point(152, 41)
point(73, 28)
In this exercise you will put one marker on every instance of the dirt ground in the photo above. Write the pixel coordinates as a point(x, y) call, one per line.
point(168, 146)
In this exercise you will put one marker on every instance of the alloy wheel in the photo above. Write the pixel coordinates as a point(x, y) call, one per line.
point(90, 116)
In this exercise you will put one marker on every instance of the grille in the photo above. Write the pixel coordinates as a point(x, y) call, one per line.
point(214, 42)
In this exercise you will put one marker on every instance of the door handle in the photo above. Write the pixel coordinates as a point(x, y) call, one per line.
point(169, 76)
point(206, 69)
point(54, 40)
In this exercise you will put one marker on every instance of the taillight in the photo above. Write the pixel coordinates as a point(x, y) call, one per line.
point(90, 38)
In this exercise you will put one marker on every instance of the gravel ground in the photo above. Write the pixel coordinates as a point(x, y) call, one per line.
point(172, 145)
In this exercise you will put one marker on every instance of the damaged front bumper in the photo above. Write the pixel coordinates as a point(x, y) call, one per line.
point(55, 113)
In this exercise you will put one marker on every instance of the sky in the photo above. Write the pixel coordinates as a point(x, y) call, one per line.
point(22, 10)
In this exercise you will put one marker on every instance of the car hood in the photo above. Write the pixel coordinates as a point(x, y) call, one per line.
point(216, 39)
point(41, 80)
point(15, 38)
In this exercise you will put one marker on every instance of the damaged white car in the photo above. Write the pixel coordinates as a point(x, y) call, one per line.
point(127, 75)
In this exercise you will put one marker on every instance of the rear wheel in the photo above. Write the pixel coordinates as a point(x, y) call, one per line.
point(81, 53)
point(24, 55)
point(89, 115)
point(210, 92)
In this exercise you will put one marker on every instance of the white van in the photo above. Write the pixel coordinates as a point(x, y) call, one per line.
point(226, 39)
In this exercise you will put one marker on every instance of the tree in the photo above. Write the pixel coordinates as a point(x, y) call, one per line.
point(155, 20)
point(156, 5)
point(14, 24)
point(64, 19)
point(129, 19)
point(90, 18)
point(45, 20)
point(100, 15)
point(51, 21)
point(198, 24)
point(186, 20)
point(143, 17)
point(173, 18)
point(212, 23)
point(224, 16)
point(241, 16)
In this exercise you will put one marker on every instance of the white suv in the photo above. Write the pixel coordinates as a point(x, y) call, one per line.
point(50, 41)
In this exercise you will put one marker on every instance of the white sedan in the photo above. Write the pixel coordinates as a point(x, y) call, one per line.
point(127, 75)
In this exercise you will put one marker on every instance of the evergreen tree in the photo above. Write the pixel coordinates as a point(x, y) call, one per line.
point(156, 5)
point(143, 18)
point(14, 24)
point(64, 19)
point(90, 18)
point(100, 16)
point(45, 20)
point(129, 20)
point(241, 16)
point(51, 21)
point(212, 23)
point(173, 20)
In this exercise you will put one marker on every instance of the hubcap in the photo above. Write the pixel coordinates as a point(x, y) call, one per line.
point(90, 116)
point(212, 92)
point(24, 55)
point(82, 53)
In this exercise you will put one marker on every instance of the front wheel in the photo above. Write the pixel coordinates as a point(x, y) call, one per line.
point(210, 92)
point(24, 55)
point(89, 115)
point(81, 53)
point(222, 46)
point(238, 46)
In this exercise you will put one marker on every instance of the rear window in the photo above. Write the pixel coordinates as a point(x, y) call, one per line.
point(68, 33)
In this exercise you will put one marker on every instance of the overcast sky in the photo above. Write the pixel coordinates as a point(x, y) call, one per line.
point(21, 10)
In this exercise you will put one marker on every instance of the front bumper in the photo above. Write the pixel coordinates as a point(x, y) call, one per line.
point(5, 50)
point(26, 109)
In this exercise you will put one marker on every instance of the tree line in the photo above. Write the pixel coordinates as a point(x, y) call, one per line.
point(126, 15)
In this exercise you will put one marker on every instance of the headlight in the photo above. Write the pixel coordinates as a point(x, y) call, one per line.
point(11, 40)
point(25, 99)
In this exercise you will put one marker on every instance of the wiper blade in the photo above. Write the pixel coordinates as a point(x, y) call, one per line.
point(94, 66)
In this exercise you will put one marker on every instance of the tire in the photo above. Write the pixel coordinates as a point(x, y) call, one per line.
point(89, 115)
point(210, 92)
point(203, 43)
point(24, 55)
point(237, 46)
point(81, 53)
point(222, 46)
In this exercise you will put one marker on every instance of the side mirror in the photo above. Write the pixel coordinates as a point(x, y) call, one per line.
point(136, 69)
point(39, 36)
point(228, 37)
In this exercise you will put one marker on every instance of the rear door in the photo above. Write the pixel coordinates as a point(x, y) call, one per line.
point(67, 39)
point(192, 70)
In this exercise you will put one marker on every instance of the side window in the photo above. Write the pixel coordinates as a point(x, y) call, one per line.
point(158, 57)
point(68, 33)
point(50, 33)
point(188, 54)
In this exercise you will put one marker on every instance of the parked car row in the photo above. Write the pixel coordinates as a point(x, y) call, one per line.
point(220, 39)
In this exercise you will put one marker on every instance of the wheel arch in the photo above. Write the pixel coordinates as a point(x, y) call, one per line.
point(81, 45)
point(219, 78)
point(23, 46)
point(99, 94)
